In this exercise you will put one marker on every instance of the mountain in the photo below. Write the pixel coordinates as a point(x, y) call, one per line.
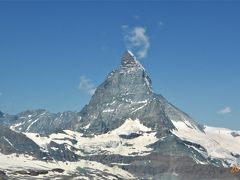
point(127, 93)
point(38, 121)
point(125, 132)
point(13, 142)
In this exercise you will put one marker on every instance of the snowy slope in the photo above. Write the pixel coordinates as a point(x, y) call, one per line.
point(130, 139)
point(219, 143)
point(15, 163)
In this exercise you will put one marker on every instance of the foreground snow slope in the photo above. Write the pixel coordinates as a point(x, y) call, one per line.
point(12, 163)
point(219, 142)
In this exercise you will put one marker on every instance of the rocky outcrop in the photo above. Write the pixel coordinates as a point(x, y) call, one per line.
point(13, 142)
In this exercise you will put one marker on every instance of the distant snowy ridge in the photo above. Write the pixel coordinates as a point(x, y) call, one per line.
point(219, 142)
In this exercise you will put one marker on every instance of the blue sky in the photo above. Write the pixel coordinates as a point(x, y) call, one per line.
point(53, 54)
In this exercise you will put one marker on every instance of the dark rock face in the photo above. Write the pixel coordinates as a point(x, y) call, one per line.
point(3, 175)
point(130, 136)
point(38, 121)
point(13, 142)
point(166, 167)
point(34, 172)
point(157, 167)
point(235, 134)
point(61, 153)
point(129, 60)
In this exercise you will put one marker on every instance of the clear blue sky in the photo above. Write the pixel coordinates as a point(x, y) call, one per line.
point(193, 58)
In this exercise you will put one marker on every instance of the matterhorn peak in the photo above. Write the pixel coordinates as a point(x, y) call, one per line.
point(129, 60)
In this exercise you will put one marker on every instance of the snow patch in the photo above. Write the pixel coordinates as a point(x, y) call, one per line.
point(7, 141)
point(131, 126)
point(13, 127)
point(139, 108)
point(87, 126)
point(108, 110)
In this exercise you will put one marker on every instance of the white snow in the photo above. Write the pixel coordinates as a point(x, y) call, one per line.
point(15, 162)
point(147, 83)
point(139, 102)
point(27, 130)
point(108, 110)
point(131, 126)
point(218, 142)
point(87, 126)
point(129, 52)
point(109, 143)
point(54, 148)
point(139, 108)
point(41, 141)
point(7, 141)
point(13, 127)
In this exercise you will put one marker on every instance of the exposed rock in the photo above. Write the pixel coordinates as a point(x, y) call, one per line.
point(13, 142)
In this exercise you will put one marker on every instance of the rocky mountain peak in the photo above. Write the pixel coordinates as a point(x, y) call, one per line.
point(129, 60)
point(125, 94)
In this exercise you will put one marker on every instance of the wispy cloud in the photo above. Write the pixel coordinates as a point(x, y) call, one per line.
point(136, 17)
point(225, 110)
point(86, 85)
point(124, 27)
point(137, 40)
point(1, 93)
point(160, 23)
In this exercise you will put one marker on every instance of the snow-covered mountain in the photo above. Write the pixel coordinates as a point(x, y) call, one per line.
point(125, 132)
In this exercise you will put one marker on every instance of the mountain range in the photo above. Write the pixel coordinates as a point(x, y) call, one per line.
point(126, 131)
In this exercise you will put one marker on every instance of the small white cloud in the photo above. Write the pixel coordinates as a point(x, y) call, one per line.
point(91, 91)
point(124, 26)
point(86, 85)
point(136, 40)
point(160, 23)
point(225, 110)
point(136, 17)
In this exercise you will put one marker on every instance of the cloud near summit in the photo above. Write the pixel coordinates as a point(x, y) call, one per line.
point(137, 40)
point(86, 85)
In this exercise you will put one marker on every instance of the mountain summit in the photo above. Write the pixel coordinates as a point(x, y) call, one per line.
point(129, 60)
